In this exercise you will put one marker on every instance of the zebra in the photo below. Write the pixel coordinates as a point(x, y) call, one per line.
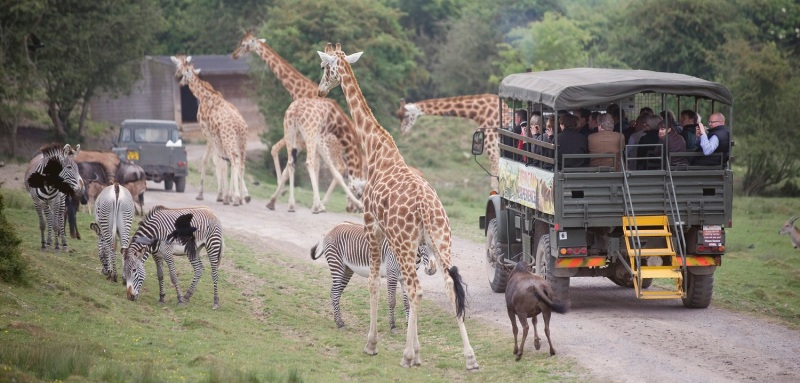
point(158, 233)
point(51, 175)
point(346, 249)
point(113, 214)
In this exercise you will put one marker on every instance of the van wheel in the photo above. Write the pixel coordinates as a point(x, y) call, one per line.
point(167, 184)
point(544, 267)
point(498, 276)
point(180, 184)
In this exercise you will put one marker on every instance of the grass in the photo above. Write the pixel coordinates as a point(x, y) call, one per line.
point(274, 325)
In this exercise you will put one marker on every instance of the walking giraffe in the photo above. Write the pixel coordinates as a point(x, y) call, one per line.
point(336, 124)
point(481, 108)
point(225, 130)
point(399, 206)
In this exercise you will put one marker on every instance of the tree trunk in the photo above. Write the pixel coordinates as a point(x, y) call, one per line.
point(52, 111)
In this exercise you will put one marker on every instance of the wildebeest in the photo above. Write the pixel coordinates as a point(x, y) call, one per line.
point(95, 179)
point(527, 295)
point(133, 178)
point(108, 160)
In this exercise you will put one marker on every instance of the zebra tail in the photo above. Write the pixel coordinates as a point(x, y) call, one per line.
point(460, 290)
point(316, 251)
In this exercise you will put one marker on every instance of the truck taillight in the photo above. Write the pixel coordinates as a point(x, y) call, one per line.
point(181, 164)
point(572, 251)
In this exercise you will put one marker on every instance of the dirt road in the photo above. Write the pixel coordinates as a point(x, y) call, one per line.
point(607, 331)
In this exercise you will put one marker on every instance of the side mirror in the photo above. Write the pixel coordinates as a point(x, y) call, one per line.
point(477, 142)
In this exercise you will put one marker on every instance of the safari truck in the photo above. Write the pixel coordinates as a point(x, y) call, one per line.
point(156, 146)
point(664, 222)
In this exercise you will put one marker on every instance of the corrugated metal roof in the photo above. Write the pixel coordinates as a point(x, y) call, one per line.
point(210, 64)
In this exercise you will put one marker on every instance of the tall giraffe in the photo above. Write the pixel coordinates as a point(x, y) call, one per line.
point(337, 124)
point(399, 206)
point(481, 108)
point(223, 126)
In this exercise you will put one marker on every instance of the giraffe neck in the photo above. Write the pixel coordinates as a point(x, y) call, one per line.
point(202, 90)
point(296, 84)
point(348, 138)
point(379, 146)
point(482, 108)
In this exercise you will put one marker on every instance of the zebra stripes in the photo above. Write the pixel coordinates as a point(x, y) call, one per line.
point(113, 215)
point(346, 249)
point(156, 235)
point(50, 176)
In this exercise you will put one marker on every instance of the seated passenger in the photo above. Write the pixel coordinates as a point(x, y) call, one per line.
point(547, 136)
point(650, 138)
point(673, 142)
point(606, 140)
point(689, 125)
point(714, 141)
point(570, 141)
point(633, 140)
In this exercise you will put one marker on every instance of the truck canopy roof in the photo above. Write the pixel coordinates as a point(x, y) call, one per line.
point(573, 88)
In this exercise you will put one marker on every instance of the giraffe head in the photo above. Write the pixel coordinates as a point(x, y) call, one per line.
point(180, 61)
point(332, 67)
point(408, 114)
point(249, 43)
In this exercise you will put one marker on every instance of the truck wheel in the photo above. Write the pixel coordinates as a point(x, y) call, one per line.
point(498, 276)
point(699, 290)
point(622, 278)
point(167, 184)
point(180, 184)
point(544, 262)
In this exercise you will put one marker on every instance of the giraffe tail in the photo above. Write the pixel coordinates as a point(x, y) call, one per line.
point(460, 290)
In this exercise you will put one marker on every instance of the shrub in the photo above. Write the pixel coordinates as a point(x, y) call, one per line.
point(13, 267)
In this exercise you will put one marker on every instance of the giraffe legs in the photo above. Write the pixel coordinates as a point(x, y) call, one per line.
point(374, 239)
point(312, 164)
point(203, 163)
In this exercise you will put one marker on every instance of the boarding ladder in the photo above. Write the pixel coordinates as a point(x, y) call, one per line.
point(648, 262)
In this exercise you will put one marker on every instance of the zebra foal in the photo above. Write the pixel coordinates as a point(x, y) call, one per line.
point(113, 215)
point(50, 177)
point(346, 249)
point(159, 232)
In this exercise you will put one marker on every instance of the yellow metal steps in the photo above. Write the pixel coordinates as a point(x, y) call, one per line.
point(652, 227)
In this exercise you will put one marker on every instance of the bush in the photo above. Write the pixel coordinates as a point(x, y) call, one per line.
point(13, 267)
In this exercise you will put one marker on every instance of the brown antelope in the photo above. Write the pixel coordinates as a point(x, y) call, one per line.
point(794, 233)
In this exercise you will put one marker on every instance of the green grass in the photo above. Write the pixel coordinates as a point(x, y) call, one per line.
point(275, 324)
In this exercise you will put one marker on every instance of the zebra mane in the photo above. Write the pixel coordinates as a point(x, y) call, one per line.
point(153, 211)
point(51, 150)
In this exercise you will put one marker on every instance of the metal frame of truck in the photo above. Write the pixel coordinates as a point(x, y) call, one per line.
point(631, 226)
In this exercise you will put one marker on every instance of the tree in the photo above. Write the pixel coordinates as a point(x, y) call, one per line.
point(298, 29)
point(91, 46)
point(677, 36)
point(18, 50)
point(768, 86)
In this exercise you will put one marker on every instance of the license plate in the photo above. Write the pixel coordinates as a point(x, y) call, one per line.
point(133, 156)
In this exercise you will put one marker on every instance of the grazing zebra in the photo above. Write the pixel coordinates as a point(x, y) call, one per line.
point(347, 251)
point(50, 176)
point(158, 234)
point(113, 215)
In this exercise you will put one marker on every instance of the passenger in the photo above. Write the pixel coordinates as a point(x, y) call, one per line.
point(535, 133)
point(570, 141)
point(646, 110)
point(689, 131)
point(674, 143)
point(650, 137)
point(620, 120)
point(593, 124)
point(547, 136)
point(606, 140)
point(714, 141)
point(584, 115)
point(633, 140)
point(521, 128)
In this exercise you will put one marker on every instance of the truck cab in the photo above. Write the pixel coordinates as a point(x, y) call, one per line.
point(661, 222)
point(157, 147)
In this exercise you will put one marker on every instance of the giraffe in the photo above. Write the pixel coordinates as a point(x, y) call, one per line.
point(302, 122)
point(225, 130)
point(337, 124)
point(481, 108)
point(399, 206)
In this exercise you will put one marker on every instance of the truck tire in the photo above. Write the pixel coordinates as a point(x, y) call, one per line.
point(498, 276)
point(698, 291)
point(168, 184)
point(544, 262)
point(180, 184)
